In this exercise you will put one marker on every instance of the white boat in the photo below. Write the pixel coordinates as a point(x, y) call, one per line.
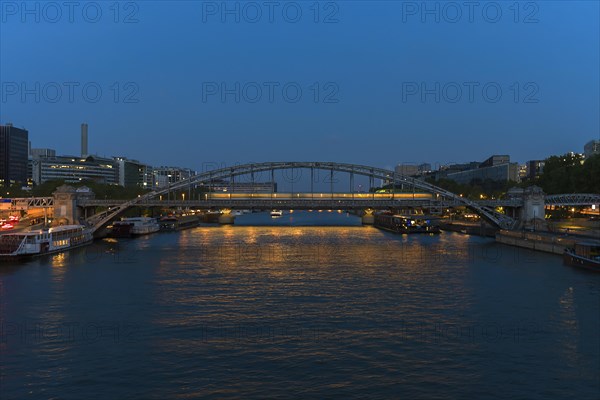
point(44, 241)
point(276, 213)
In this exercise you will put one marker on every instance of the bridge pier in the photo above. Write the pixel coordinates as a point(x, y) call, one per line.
point(226, 218)
point(368, 218)
point(66, 210)
point(533, 212)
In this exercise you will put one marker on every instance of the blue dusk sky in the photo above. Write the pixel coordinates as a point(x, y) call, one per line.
point(377, 83)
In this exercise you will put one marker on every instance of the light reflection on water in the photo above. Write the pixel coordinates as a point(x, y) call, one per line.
point(288, 311)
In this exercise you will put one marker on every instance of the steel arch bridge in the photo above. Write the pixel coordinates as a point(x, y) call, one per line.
point(573, 199)
point(494, 217)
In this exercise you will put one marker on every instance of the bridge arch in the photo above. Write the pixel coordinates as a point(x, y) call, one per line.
point(494, 217)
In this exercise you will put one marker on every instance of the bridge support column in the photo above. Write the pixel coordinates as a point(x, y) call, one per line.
point(226, 218)
point(368, 218)
point(65, 206)
point(533, 213)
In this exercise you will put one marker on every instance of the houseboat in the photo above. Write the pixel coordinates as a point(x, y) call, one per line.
point(128, 227)
point(20, 245)
point(405, 224)
point(584, 255)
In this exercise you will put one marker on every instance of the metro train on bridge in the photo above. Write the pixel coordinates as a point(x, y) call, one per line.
point(317, 196)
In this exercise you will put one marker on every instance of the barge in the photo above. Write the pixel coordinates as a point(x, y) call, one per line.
point(177, 223)
point(405, 224)
point(128, 227)
point(584, 255)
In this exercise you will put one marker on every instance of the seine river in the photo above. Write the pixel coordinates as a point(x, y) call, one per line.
point(299, 311)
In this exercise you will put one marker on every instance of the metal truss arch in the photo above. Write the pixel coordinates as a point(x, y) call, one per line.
point(496, 218)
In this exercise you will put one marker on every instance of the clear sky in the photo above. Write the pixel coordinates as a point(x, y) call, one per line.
point(186, 83)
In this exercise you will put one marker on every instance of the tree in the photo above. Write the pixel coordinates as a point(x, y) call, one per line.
point(569, 173)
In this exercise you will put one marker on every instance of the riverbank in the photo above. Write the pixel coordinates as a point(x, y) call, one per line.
point(540, 241)
point(469, 228)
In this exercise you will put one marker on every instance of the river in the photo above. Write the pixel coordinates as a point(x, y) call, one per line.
point(298, 311)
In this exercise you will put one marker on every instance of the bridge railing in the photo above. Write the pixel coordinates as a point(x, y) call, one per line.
point(23, 203)
point(573, 199)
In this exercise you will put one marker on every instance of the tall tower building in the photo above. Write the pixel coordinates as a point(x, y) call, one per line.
point(14, 148)
point(84, 140)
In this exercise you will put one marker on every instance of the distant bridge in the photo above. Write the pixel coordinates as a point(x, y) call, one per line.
point(416, 193)
point(573, 199)
point(25, 203)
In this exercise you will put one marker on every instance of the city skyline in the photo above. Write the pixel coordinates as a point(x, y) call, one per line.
point(223, 163)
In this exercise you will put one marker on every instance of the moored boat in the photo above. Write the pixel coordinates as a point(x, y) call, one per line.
point(177, 223)
point(276, 213)
point(584, 255)
point(128, 227)
point(121, 229)
point(404, 224)
point(19, 245)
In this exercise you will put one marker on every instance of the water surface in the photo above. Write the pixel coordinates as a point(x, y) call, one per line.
point(298, 312)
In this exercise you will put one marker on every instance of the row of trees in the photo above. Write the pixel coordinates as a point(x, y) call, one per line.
point(570, 173)
point(102, 191)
